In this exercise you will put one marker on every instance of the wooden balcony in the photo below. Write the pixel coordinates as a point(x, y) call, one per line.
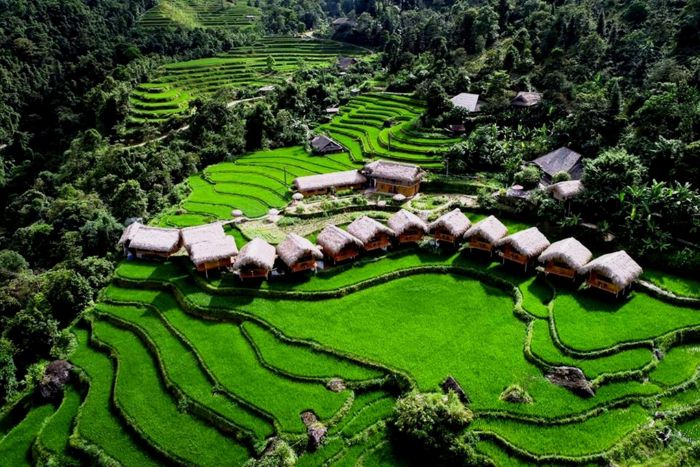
point(303, 266)
point(480, 245)
point(602, 284)
point(561, 271)
point(344, 255)
point(256, 273)
point(376, 244)
point(410, 237)
point(442, 236)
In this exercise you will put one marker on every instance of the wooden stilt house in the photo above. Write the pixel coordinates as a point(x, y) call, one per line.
point(337, 244)
point(614, 273)
point(407, 227)
point(565, 257)
point(213, 255)
point(298, 253)
point(485, 234)
point(373, 235)
point(450, 227)
point(255, 260)
point(523, 247)
point(201, 233)
point(146, 242)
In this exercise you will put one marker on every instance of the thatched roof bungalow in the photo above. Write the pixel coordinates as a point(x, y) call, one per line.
point(526, 99)
point(407, 227)
point(255, 260)
point(373, 235)
point(563, 191)
point(324, 183)
point(337, 244)
point(202, 233)
point(150, 242)
point(298, 253)
point(485, 234)
point(450, 227)
point(324, 145)
point(560, 160)
point(565, 257)
point(613, 273)
point(523, 247)
point(467, 101)
point(394, 177)
point(213, 254)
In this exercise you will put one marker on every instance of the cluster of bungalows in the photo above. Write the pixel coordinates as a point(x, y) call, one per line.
point(380, 176)
point(209, 248)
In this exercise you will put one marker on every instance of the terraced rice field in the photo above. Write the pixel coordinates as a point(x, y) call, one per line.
point(166, 352)
point(170, 93)
point(254, 184)
point(383, 125)
point(201, 13)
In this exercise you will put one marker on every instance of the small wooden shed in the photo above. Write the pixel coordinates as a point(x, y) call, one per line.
point(450, 227)
point(202, 233)
point(614, 273)
point(565, 257)
point(255, 260)
point(485, 234)
point(310, 185)
point(394, 177)
point(298, 253)
point(407, 227)
point(373, 234)
point(337, 244)
point(523, 247)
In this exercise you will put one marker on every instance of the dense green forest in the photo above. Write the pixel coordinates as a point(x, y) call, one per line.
point(620, 83)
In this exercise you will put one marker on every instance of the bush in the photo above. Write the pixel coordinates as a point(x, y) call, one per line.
point(431, 423)
point(528, 177)
point(562, 176)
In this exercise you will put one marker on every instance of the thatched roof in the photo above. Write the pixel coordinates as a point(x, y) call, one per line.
point(467, 101)
point(404, 173)
point(490, 229)
point(618, 266)
point(329, 180)
point(153, 238)
point(561, 160)
point(455, 222)
point(529, 242)
point(256, 254)
point(323, 143)
point(129, 232)
point(294, 247)
point(333, 239)
point(346, 62)
point(565, 190)
point(526, 99)
point(403, 220)
point(217, 249)
point(202, 233)
point(365, 229)
point(569, 251)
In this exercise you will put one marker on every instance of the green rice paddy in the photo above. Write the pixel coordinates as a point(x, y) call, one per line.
point(170, 93)
point(200, 13)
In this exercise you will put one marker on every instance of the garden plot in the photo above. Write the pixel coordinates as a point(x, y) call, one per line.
point(178, 83)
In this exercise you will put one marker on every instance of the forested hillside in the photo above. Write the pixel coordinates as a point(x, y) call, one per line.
point(112, 110)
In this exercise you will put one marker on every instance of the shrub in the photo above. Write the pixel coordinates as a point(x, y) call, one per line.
point(528, 176)
point(278, 454)
point(562, 176)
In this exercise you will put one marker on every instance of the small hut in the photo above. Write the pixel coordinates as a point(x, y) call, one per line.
point(523, 247)
point(614, 272)
point(558, 161)
point(450, 227)
point(310, 185)
point(202, 233)
point(298, 253)
point(564, 191)
point(467, 101)
point(373, 235)
point(565, 257)
point(407, 227)
point(484, 234)
point(394, 177)
point(324, 145)
point(338, 245)
point(150, 242)
point(346, 62)
point(526, 99)
point(213, 255)
point(255, 260)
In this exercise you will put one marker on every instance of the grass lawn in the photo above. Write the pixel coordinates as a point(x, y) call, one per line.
point(15, 447)
point(142, 396)
point(97, 424)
